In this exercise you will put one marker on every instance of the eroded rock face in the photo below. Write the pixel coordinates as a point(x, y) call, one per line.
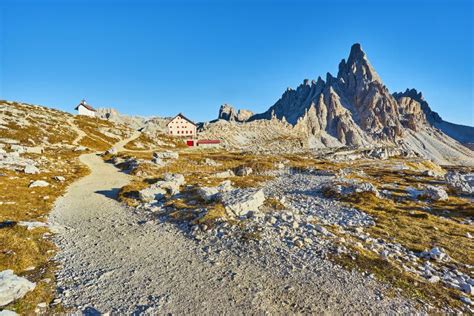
point(229, 113)
point(13, 287)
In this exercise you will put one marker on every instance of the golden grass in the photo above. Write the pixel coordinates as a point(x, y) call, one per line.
point(21, 248)
point(96, 139)
point(145, 142)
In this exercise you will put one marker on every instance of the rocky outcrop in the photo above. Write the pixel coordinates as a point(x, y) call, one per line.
point(413, 100)
point(13, 287)
point(353, 108)
point(229, 113)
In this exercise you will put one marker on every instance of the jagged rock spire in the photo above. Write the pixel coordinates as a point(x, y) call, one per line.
point(358, 67)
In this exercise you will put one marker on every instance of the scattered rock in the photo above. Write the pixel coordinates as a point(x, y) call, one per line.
point(172, 182)
point(158, 161)
point(80, 148)
point(13, 287)
point(467, 301)
point(434, 279)
point(379, 153)
point(38, 183)
point(34, 150)
point(436, 254)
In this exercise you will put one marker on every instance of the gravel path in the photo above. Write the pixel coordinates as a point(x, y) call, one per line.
point(119, 260)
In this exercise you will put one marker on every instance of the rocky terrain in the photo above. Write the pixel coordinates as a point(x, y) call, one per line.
point(355, 109)
point(341, 198)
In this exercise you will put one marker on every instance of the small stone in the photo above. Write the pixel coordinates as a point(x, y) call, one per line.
point(434, 279)
point(467, 301)
point(299, 243)
point(38, 183)
point(59, 178)
point(467, 288)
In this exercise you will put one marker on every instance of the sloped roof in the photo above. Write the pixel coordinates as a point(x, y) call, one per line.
point(84, 104)
point(182, 116)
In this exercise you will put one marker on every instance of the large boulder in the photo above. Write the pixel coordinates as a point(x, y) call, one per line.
point(157, 191)
point(435, 193)
point(459, 183)
point(172, 182)
point(30, 169)
point(13, 287)
point(152, 193)
point(240, 202)
point(212, 193)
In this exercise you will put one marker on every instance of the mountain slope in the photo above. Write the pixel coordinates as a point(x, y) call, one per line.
point(461, 133)
point(357, 109)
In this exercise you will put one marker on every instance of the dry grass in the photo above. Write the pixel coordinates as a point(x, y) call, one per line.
point(32, 125)
point(96, 139)
point(21, 248)
point(146, 142)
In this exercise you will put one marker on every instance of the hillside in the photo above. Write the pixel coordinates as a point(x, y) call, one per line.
point(91, 210)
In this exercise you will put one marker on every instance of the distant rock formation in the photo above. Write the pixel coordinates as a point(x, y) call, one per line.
point(461, 133)
point(229, 113)
point(356, 109)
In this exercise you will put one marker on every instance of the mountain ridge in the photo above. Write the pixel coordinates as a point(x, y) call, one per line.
point(356, 109)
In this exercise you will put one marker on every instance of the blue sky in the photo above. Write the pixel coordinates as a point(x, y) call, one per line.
point(160, 58)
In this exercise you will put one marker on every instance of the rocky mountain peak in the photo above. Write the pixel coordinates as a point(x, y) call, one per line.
point(357, 68)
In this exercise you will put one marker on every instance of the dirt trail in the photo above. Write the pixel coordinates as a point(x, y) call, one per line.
point(80, 133)
point(114, 259)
